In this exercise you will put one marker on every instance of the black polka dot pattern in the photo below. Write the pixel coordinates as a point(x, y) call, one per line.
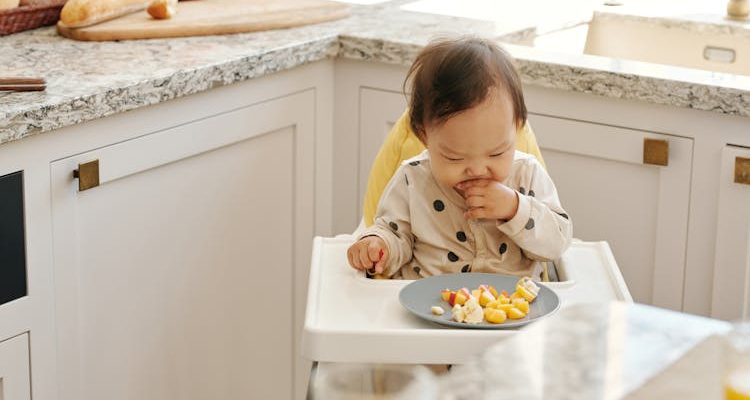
point(466, 268)
point(438, 205)
point(452, 256)
point(503, 248)
point(530, 224)
point(521, 190)
point(414, 163)
point(417, 269)
point(531, 193)
point(563, 215)
point(461, 236)
point(393, 226)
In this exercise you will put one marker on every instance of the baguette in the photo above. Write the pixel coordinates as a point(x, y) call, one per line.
point(80, 13)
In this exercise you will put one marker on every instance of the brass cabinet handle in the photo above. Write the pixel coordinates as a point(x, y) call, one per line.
point(88, 175)
point(655, 152)
point(742, 170)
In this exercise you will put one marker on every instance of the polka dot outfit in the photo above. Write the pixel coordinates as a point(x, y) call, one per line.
point(415, 205)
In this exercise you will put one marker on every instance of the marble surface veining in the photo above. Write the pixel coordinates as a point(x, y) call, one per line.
point(89, 80)
point(595, 351)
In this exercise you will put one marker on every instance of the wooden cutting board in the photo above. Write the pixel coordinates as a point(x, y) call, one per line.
point(212, 17)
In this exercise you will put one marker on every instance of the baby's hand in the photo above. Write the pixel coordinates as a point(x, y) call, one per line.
point(488, 199)
point(368, 253)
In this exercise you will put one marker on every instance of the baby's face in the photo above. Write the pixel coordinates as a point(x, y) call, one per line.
point(476, 144)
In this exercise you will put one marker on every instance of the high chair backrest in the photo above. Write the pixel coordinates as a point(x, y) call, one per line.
point(402, 144)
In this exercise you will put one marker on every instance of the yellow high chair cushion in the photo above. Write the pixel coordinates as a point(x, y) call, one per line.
point(402, 144)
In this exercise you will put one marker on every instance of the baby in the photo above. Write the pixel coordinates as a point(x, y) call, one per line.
point(470, 202)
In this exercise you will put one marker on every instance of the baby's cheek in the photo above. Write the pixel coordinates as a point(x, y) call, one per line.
point(501, 173)
point(446, 175)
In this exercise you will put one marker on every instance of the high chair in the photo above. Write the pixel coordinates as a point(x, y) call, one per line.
point(353, 319)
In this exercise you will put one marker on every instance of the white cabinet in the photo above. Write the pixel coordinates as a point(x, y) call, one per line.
point(15, 379)
point(175, 277)
point(731, 286)
point(612, 195)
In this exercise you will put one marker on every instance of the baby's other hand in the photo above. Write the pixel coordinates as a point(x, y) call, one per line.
point(488, 199)
point(368, 253)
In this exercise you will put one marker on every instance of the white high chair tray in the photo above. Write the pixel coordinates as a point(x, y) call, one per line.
point(350, 318)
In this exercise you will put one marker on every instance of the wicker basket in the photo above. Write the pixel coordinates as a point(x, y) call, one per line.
point(29, 15)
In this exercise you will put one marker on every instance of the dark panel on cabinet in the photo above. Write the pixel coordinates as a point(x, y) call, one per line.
point(12, 238)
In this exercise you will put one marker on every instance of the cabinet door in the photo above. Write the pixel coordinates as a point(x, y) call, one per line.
point(610, 194)
point(731, 288)
point(175, 276)
point(379, 110)
point(15, 382)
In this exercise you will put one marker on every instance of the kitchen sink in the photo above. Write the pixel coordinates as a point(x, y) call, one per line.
point(721, 46)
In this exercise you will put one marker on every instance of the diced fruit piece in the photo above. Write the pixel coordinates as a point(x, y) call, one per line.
point(514, 296)
point(504, 300)
point(485, 298)
point(504, 307)
point(461, 298)
point(505, 293)
point(437, 310)
point(490, 289)
point(527, 288)
point(522, 305)
point(445, 294)
point(458, 314)
point(452, 298)
point(525, 294)
point(474, 312)
point(476, 293)
point(515, 313)
point(494, 316)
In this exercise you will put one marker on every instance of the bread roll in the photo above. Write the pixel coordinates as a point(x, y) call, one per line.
point(78, 13)
point(162, 9)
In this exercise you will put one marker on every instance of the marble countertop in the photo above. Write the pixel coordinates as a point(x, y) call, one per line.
point(89, 80)
point(599, 351)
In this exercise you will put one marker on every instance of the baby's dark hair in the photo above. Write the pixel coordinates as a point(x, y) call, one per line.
point(450, 76)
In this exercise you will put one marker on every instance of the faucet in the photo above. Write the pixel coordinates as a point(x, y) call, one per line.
point(738, 9)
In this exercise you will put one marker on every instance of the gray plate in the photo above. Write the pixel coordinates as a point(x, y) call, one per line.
point(420, 295)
